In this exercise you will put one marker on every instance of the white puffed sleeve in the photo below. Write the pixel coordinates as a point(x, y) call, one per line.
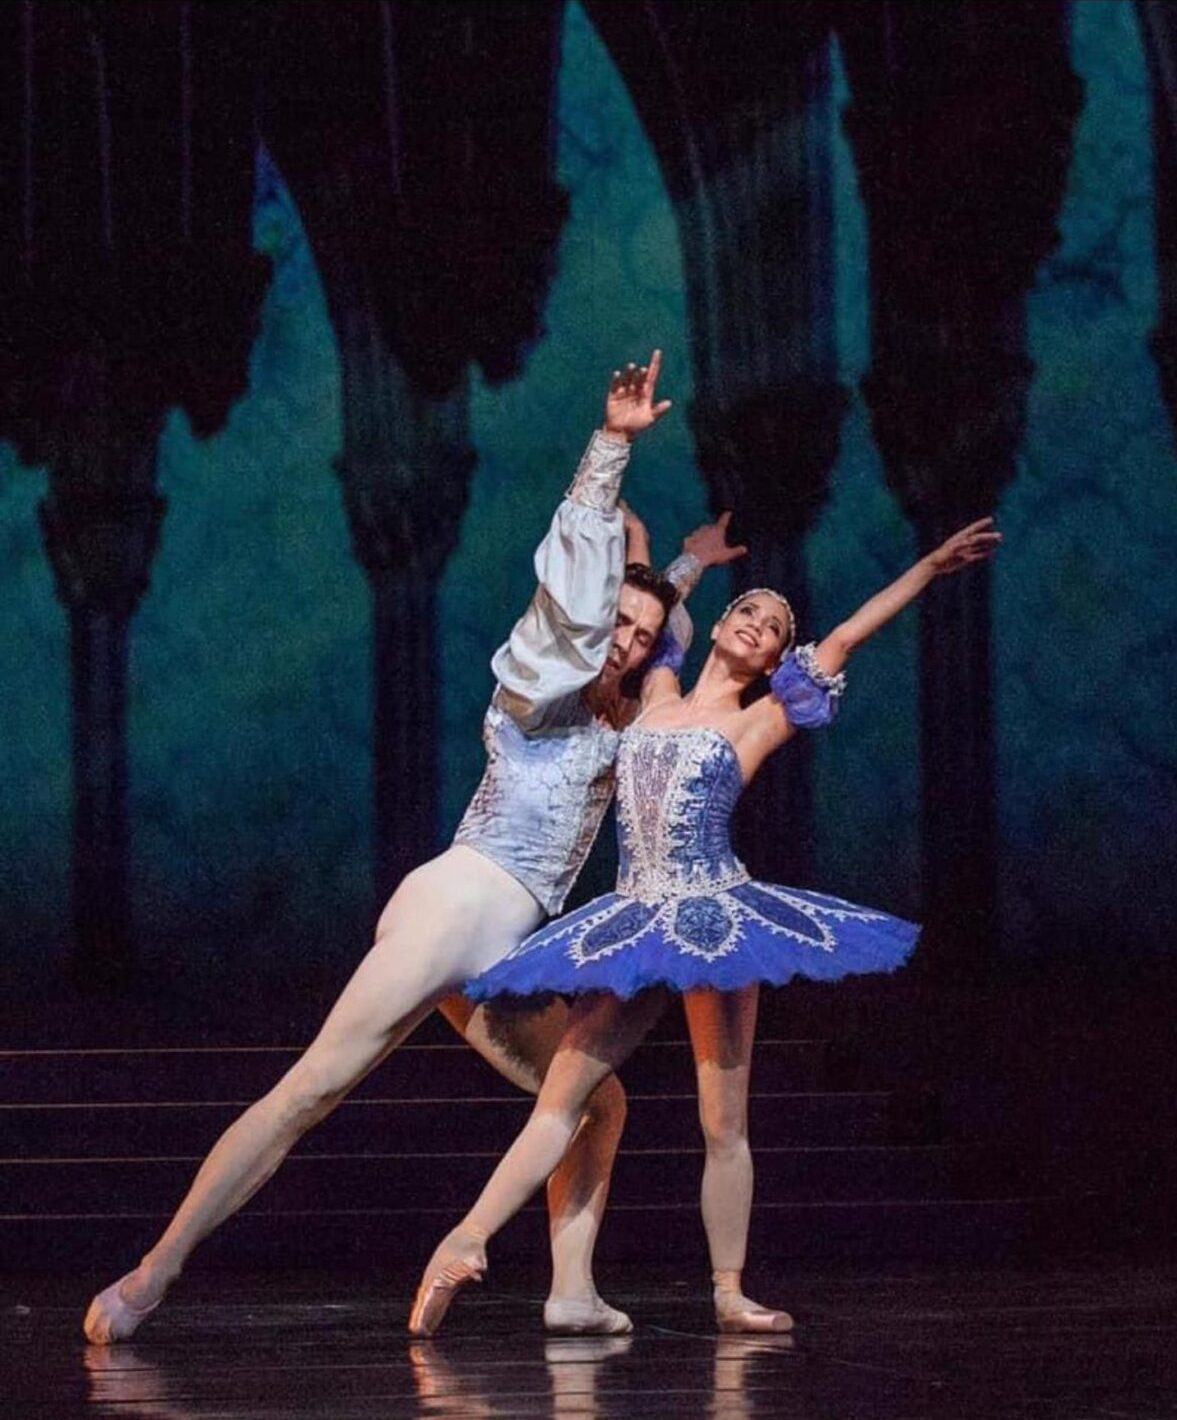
point(561, 641)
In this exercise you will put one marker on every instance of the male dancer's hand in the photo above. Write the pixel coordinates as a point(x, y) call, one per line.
point(629, 406)
point(709, 546)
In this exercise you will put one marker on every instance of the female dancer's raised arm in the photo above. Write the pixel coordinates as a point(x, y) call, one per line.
point(975, 543)
point(768, 722)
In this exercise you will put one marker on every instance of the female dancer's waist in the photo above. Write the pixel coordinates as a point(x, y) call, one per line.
point(668, 881)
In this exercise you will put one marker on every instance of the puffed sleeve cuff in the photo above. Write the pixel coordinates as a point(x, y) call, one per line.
point(598, 479)
point(668, 651)
point(809, 695)
point(684, 572)
point(680, 626)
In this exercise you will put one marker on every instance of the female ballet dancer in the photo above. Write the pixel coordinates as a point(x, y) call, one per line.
point(551, 736)
point(686, 917)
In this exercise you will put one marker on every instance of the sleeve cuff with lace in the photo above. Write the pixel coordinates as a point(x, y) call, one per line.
point(598, 479)
point(680, 626)
point(684, 572)
point(668, 652)
point(809, 695)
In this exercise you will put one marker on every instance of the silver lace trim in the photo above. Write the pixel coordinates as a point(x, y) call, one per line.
point(654, 886)
point(684, 572)
point(807, 660)
point(598, 477)
point(741, 916)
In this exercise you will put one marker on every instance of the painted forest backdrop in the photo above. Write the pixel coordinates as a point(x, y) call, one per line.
point(250, 723)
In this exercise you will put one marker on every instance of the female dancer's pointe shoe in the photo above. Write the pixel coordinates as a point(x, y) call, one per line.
point(734, 1312)
point(112, 1318)
point(572, 1317)
point(454, 1263)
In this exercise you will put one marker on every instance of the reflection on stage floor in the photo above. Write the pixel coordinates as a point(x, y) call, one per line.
point(1074, 1342)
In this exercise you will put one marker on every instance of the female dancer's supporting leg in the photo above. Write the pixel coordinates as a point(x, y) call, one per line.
point(602, 1032)
point(722, 1026)
point(521, 1046)
point(446, 922)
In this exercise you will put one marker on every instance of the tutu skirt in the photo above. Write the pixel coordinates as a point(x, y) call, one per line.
point(726, 939)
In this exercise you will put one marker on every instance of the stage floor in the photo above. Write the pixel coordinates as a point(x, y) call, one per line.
point(1096, 1340)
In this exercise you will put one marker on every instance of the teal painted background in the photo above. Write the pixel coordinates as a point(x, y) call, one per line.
point(1086, 604)
point(250, 677)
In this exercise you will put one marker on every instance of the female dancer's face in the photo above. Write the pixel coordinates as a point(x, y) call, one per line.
point(754, 633)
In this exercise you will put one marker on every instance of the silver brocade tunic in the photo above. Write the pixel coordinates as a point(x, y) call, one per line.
point(541, 800)
point(549, 770)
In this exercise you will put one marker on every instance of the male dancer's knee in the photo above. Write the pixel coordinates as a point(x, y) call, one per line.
point(307, 1093)
point(607, 1109)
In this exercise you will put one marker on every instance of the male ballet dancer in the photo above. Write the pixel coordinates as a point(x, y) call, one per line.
point(551, 735)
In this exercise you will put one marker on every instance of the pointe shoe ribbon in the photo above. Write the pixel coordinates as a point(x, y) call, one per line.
point(438, 1289)
point(110, 1317)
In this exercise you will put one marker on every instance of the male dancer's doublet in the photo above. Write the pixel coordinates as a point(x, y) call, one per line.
point(542, 797)
point(686, 914)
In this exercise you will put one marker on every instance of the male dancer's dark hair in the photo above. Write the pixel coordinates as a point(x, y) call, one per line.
point(646, 579)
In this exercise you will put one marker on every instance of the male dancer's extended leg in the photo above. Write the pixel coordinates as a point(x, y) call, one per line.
point(520, 1045)
point(447, 921)
point(722, 1026)
point(602, 1031)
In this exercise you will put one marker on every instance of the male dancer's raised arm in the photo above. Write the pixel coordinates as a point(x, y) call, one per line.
point(563, 639)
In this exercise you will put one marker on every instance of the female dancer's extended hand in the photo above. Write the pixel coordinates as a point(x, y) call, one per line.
point(630, 407)
point(976, 543)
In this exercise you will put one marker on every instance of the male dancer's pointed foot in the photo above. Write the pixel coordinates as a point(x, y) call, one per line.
point(589, 1316)
point(112, 1317)
point(736, 1313)
point(459, 1258)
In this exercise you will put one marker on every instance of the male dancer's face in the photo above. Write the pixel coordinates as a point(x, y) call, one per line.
point(640, 617)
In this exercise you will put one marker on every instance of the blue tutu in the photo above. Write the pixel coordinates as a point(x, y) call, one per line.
point(686, 914)
point(754, 931)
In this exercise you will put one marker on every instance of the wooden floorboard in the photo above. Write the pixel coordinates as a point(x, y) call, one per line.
point(1075, 1341)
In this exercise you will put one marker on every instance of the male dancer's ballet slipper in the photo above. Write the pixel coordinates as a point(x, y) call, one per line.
point(110, 1317)
point(565, 1316)
point(456, 1262)
point(734, 1312)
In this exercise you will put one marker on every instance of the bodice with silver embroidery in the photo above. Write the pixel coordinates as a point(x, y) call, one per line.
point(676, 790)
